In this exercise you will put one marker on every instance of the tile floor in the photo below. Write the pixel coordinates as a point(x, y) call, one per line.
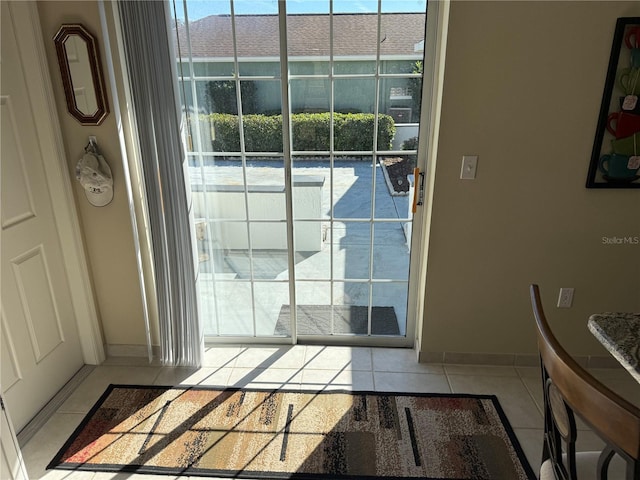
point(314, 367)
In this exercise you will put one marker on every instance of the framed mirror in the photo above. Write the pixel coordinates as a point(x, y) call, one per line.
point(82, 78)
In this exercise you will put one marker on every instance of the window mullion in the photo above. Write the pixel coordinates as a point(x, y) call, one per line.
point(374, 160)
point(331, 163)
point(243, 158)
point(286, 150)
point(199, 153)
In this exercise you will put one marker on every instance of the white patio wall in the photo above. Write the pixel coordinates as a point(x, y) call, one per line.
point(266, 202)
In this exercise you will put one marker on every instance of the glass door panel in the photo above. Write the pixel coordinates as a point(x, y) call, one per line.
point(354, 67)
point(214, 305)
point(270, 298)
point(353, 88)
point(348, 47)
point(363, 229)
point(257, 43)
point(231, 92)
point(385, 295)
point(308, 38)
point(352, 250)
point(310, 96)
point(313, 250)
point(313, 313)
point(354, 96)
point(351, 308)
point(352, 180)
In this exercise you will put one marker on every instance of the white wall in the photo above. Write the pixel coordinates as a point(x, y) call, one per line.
point(523, 85)
point(522, 89)
point(107, 230)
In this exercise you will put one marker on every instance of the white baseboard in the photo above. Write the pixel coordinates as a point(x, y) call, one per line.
point(43, 416)
point(117, 350)
point(517, 360)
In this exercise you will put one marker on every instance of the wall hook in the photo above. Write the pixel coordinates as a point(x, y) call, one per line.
point(92, 146)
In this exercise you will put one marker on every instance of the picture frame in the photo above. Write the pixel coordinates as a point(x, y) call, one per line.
point(615, 157)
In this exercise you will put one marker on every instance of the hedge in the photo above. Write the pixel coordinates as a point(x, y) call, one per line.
point(262, 133)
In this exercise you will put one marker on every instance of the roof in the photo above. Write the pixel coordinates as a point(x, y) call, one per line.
point(308, 35)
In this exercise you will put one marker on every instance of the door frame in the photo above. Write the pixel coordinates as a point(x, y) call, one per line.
point(436, 34)
point(26, 19)
point(435, 46)
point(10, 456)
point(417, 269)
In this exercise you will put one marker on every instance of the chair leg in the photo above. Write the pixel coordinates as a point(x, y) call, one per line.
point(633, 470)
point(603, 462)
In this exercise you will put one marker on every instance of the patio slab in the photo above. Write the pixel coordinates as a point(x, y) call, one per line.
point(347, 243)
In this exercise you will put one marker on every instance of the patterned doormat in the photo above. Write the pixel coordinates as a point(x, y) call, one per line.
point(347, 319)
point(245, 433)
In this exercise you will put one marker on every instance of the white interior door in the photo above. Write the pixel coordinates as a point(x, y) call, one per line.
point(12, 466)
point(40, 346)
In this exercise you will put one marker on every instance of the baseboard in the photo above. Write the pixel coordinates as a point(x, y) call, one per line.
point(509, 359)
point(43, 416)
point(119, 354)
point(118, 350)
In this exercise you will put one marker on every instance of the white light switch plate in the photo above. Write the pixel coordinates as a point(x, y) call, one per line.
point(469, 167)
point(565, 298)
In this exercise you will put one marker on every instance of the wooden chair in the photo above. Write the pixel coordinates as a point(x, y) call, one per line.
point(570, 391)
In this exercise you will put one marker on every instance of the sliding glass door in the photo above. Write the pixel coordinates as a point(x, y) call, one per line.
point(302, 126)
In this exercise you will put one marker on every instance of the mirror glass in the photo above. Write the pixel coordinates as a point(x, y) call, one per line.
point(80, 71)
point(81, 74)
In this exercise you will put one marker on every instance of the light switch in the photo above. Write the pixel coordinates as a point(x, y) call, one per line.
point(469, 167)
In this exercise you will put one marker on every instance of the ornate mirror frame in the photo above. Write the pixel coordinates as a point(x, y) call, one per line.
point(67, 34)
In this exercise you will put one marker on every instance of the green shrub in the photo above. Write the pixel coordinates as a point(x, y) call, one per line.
point(410, 144)
point(310, 131)
point(227, 137)
point(262, 133)
point(354, 131)
point(415, 86)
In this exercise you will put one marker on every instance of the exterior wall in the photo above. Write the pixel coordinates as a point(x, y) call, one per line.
point(228, 202)
point(310, 95)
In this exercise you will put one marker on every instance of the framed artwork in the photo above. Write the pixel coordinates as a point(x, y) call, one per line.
point(615, 158)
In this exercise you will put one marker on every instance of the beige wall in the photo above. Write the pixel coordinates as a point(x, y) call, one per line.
point(107, 230)
point(523, 84)
point(522, 89)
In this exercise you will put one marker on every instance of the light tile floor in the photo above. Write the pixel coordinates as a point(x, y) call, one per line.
point(314, 368)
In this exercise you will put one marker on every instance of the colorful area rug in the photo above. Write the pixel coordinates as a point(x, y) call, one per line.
point(293, 434)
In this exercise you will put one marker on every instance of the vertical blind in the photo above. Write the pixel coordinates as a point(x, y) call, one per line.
point(151, 67)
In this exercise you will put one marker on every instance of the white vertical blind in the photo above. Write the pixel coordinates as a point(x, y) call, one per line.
point(153, 83)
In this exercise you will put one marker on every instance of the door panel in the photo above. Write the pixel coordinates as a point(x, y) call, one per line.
point(14, 166)
point(41, 346)
point(10, 367)
point(39, 310)
point(350, 92)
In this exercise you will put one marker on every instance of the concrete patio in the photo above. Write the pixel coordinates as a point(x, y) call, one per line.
point(224, 279)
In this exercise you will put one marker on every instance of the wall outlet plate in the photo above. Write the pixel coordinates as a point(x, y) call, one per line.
point(565, 298)
point(469, 167)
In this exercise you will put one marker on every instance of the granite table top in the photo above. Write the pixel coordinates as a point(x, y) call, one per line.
point(620, 334)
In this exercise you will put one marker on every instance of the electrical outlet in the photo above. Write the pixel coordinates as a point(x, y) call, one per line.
point(565, 299)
